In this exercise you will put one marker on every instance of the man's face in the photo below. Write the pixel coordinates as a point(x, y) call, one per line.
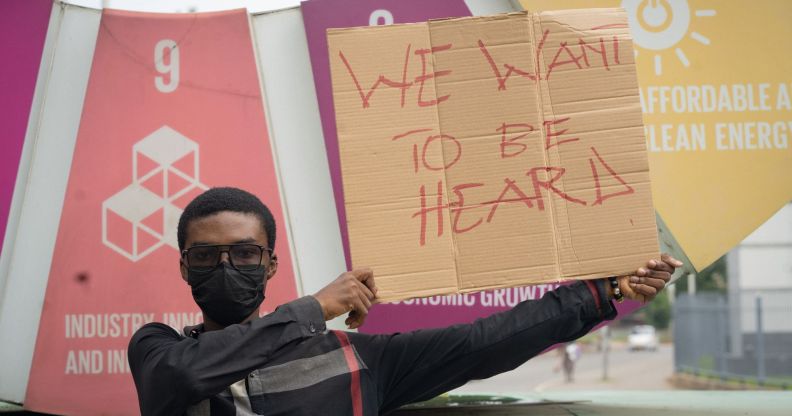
point(227, 227)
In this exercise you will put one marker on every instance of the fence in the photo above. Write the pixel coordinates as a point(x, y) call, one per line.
point(747, 336)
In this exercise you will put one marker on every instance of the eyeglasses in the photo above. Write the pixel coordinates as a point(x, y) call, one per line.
point(241, 256)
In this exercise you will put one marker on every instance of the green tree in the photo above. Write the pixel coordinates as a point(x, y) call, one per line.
point(711, 279)
point(658, 311)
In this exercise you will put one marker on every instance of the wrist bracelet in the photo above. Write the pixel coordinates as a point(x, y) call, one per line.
point(617, 294)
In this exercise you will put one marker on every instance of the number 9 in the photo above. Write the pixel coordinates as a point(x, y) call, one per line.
point(171, 68)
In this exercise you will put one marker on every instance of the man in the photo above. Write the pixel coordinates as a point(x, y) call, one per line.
point(237, 363)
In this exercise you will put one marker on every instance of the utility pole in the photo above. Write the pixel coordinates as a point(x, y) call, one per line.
point(691, 281)
point(605, 351)
point(760, 345)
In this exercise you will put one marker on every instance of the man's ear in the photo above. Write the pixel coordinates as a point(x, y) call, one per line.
point(183, 268)
point(273, 267)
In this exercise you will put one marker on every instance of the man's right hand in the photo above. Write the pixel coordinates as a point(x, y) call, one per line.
point(351, 292)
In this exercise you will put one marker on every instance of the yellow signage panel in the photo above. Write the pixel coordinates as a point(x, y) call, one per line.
point(716, 81)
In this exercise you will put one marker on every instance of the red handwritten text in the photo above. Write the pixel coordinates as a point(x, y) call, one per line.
point(541, 185)
point(403, 85)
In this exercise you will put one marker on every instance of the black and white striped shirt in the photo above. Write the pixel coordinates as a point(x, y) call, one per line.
point(287, 363)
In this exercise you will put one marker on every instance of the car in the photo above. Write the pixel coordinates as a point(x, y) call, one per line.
point(642, 337)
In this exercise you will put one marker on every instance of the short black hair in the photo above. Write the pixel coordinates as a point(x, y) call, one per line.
point(226, 199)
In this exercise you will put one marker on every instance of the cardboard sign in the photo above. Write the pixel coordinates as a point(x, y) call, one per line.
point(493, 151)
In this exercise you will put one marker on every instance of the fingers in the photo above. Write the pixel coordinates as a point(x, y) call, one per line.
point(642, 289)
point(666, 258)
point(350, 292)
point(362, 274)
point(666, 263)
point(649, 282)
point(656, 283)
point(351, 321)
point(358, 292)
point(364, 290)
point(371, 286)
point(366, 276)
point(365, 296)
point(358, 312)
point(356, 287)
point(356, 307)
point(363, 293)
point(663, 275)
point(659, 265)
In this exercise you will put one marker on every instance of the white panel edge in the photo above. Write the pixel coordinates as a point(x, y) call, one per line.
point(485, 7)
point(293, 112)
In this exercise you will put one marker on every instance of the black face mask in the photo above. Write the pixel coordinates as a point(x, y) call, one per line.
point(227, 295)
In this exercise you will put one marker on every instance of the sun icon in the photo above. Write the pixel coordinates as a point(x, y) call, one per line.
point(660, 24)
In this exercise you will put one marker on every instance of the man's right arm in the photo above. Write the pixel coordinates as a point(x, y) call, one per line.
point(172, 372)
point(419, 365)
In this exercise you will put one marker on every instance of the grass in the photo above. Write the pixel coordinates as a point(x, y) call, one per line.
point(780, 383)
point(451, 400)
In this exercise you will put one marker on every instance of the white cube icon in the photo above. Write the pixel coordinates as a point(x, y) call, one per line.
point(166, 163)
point(144, 216)
point(133, 222)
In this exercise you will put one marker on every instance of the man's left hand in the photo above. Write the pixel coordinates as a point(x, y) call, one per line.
point(650, 280)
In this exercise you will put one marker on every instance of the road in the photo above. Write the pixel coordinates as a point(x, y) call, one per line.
point(643, 370)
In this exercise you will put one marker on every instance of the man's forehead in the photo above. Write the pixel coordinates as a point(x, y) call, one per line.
point(226, 227)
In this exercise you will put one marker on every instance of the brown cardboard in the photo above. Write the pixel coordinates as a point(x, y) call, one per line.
point(492, 151)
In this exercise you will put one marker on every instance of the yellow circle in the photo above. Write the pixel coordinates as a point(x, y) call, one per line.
point(655, 29)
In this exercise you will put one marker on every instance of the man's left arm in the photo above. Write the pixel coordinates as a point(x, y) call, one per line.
point(419, 365)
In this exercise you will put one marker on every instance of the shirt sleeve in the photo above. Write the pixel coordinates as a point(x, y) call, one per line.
point(419, 365)
point(171, 372)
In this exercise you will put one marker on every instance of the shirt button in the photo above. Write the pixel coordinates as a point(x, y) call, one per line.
point(312, 328)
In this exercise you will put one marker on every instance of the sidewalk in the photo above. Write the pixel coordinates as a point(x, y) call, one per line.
point(627, 371)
